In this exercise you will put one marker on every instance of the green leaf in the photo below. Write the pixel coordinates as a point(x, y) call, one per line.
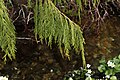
point(117, 68)
point(89, 78)
point(116, 60)
point(113, 78)
point(101, 68)
point(109, 72)
point(119, 56)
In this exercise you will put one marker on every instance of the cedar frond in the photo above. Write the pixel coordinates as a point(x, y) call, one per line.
point(7, 33)
point(51, 24)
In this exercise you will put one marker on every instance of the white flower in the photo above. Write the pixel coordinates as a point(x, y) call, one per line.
point(87, 74)
point(89, 71)
point(73, 75)
point(107, 76)
point(3, 78)
point(51, 70)
point(111, 64)
point(88, 65)
point(70, 78)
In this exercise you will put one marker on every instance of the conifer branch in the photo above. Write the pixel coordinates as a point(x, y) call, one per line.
point(51, 24)
point(7, 33)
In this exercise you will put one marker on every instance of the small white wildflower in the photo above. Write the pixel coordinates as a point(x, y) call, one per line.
point(87, 74)
point(73, 75)
point(51, 70)
point(43, 69)
point(70, 78)
point(3, 78)
point(88, 65)
point(89, 71)
point(107, 76)
point(15, 68)
point(111, 64)
point(112, 39)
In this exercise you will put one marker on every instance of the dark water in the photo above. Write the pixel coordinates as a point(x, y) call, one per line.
point(106, 44)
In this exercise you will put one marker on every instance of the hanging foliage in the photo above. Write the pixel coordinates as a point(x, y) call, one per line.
point(7, 33)
point(51, 24)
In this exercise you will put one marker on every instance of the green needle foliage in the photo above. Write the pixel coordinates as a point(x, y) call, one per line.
point(7, 33)
point(51, 24)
